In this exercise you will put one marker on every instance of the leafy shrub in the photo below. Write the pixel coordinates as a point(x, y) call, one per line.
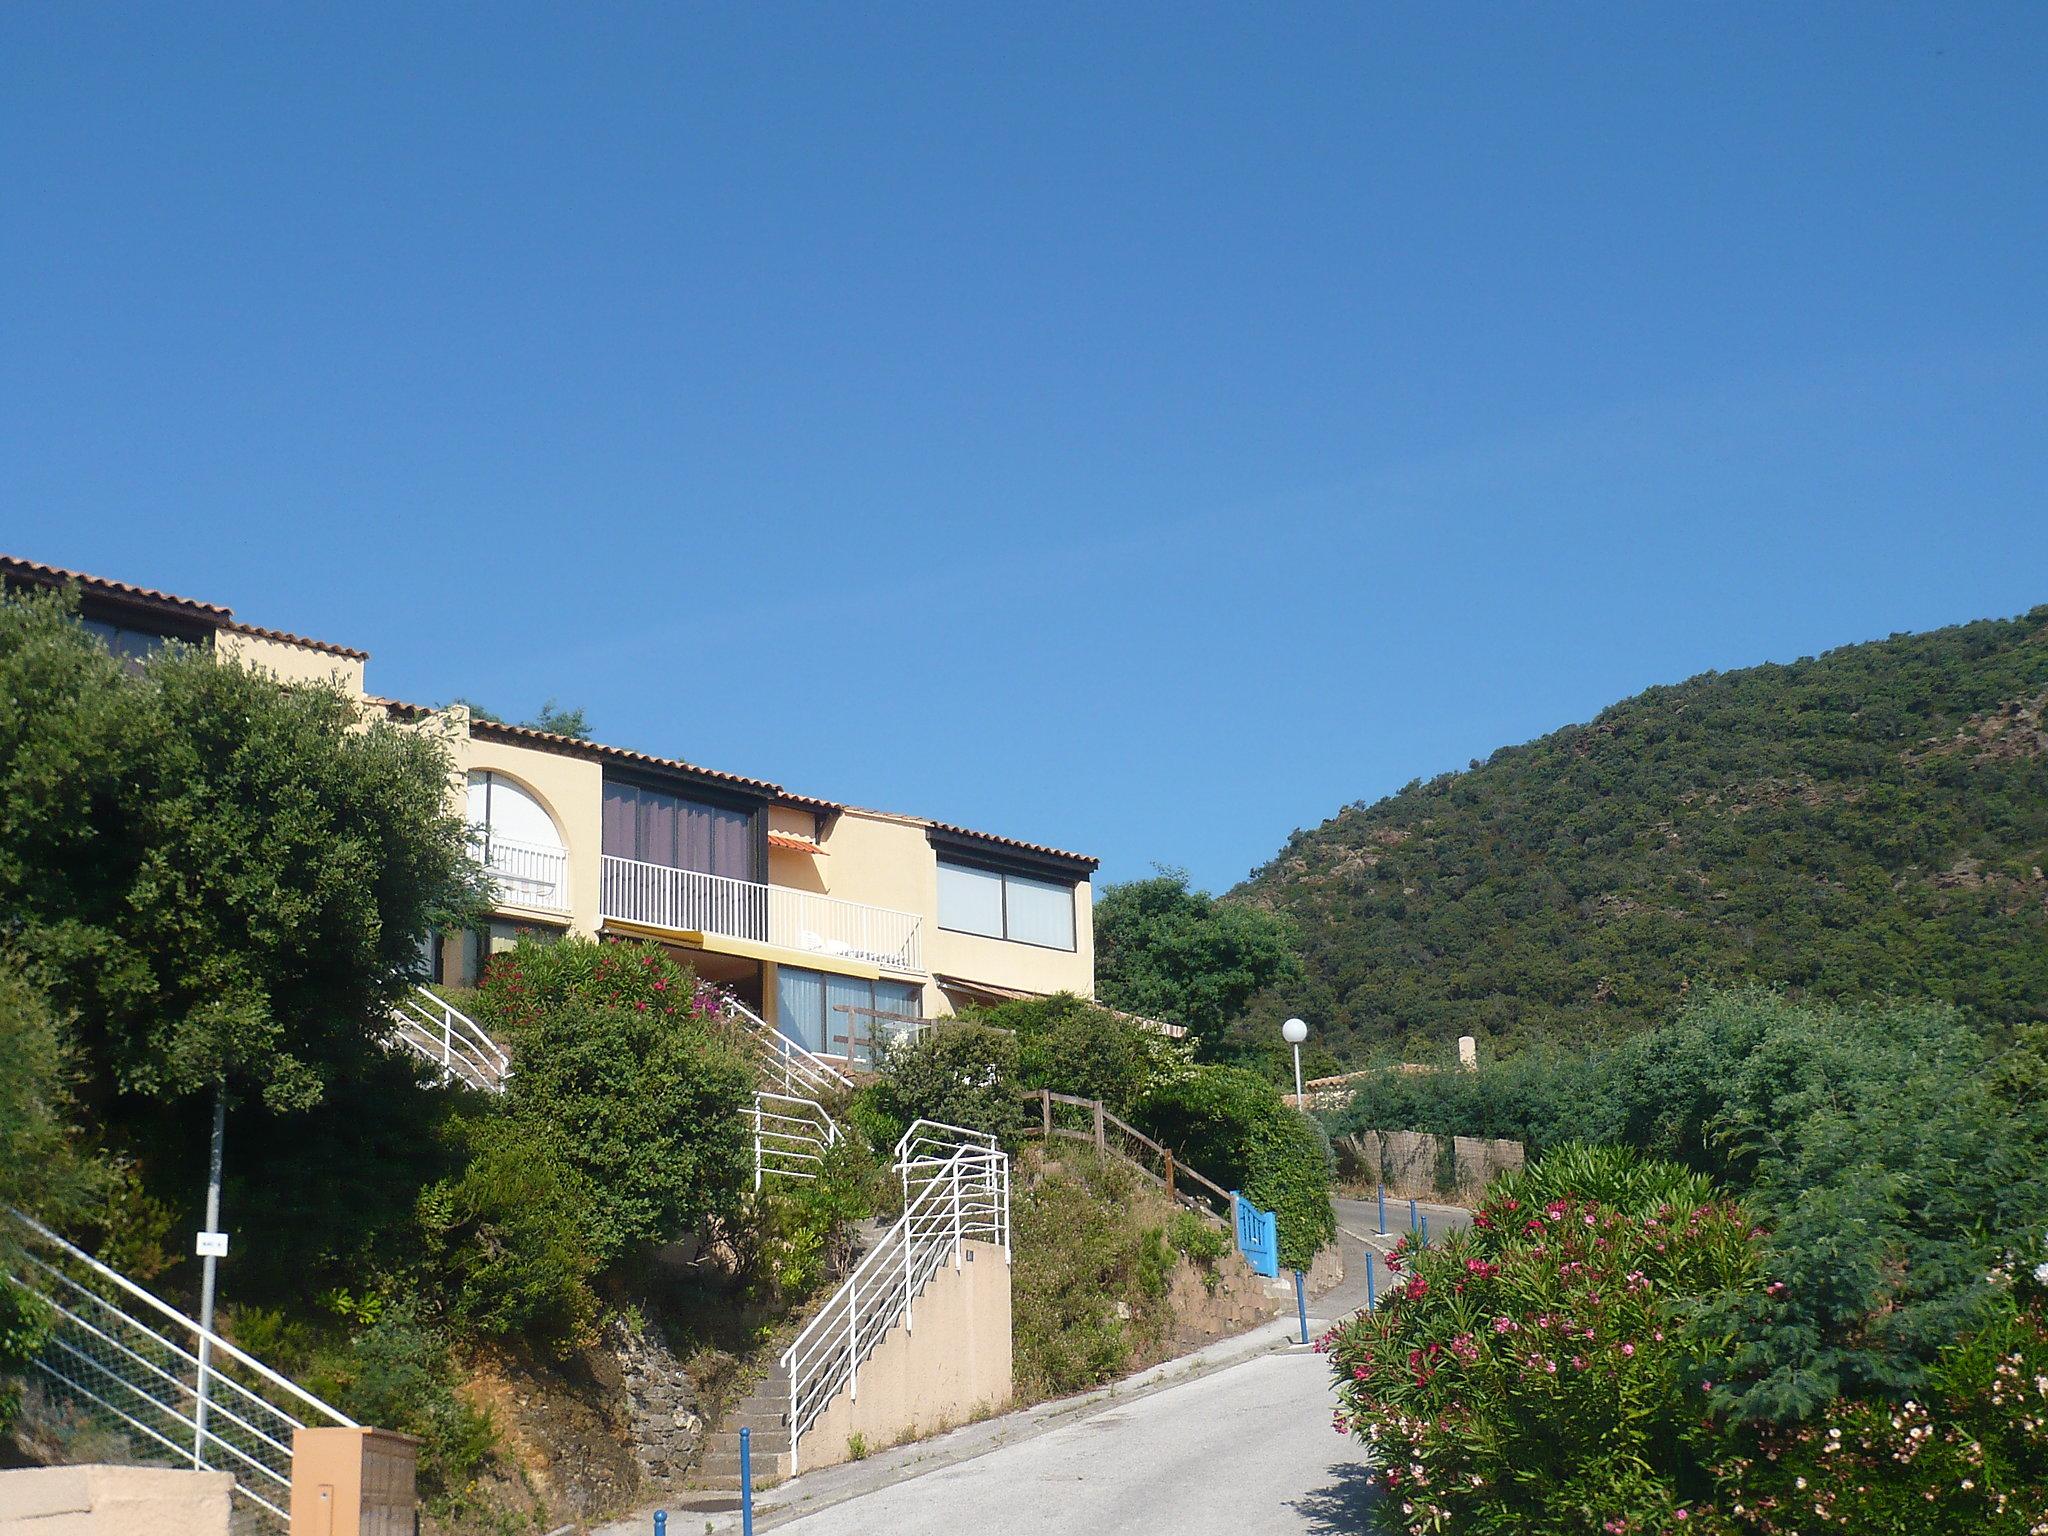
point(226, 878)
point(1198, 1241)
point(622, 1082)
point(1556, 1370)
point(395, 1373)
point(1086, 1286)
point(794, 1237)
point(1069, 1045)
point(1230, 1125)
point(1971, 1459)
point(24, 1326)
point(43, 1169)
point(958, 1074)
point(1891, 1151)
point(1542, 1373)
point(504, 1239)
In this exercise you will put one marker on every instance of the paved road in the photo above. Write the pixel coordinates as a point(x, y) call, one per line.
point(1361, 1218)
point(1247, 1451)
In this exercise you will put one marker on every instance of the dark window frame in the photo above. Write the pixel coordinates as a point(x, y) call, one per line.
point(1006, 874)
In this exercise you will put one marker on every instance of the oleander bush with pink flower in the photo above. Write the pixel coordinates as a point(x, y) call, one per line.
point(1553, 1370)
point(1542, 1372)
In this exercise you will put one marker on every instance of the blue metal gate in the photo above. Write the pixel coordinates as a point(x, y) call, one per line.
point(1258, 1236)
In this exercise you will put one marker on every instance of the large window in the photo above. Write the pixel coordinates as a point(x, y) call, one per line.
point(998, 905)
point(810, 1008)
point(655, 827)
point(132, 646)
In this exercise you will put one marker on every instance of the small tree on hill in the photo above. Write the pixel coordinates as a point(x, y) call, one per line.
point(1182, 955)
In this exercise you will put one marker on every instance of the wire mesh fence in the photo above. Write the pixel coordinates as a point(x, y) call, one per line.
point(121, 1367)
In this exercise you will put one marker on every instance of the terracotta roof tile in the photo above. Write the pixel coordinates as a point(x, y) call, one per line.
point(579, 746)
point(1010, 842)
point(57, 575)
point(212, 613)
point(291, 639)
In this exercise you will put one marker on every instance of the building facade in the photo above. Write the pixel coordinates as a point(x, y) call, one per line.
point(835, 923)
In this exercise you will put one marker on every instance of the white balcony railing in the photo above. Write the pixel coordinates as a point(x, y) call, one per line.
point(526, 874)
point(689, 902)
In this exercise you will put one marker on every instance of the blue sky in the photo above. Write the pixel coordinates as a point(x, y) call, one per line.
point(1143, 429)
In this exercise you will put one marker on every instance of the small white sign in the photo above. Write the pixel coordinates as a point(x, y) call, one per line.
point(213, 1245)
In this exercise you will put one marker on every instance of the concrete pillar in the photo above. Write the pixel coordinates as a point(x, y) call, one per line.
point(353, 1482)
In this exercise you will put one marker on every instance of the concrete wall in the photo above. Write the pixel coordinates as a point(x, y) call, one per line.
point(952, 1363)
point(1414, 1166)
point(290, 663)
point(114, 1501)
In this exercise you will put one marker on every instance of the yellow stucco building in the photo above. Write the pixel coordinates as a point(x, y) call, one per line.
point(831, 921)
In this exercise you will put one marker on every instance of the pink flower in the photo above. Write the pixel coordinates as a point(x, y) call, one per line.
point(1503, 1325)
point(1628, 1351)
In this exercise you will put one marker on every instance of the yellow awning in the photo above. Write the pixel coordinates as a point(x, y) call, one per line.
point(748, 949)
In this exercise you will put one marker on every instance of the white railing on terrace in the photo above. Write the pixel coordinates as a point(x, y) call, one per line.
point(179, 1394)
point(429, 1026)
point(785, 1065)
point(957, 1191)
point(687, 901)
point(526, 874)
point(791, 1137)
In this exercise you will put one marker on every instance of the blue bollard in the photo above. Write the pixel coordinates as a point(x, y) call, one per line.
point(1411, 1216)
point(1425, 1229)
point(746, 1481)
point(1301, 1305)
point(1372, 1293)
point(661, 1522)
point(1383, 1210)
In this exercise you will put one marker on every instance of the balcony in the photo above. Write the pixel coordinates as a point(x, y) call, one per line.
point(684, 901)
point(525, 874)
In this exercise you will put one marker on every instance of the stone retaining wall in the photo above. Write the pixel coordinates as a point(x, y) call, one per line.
point(1417, 1166)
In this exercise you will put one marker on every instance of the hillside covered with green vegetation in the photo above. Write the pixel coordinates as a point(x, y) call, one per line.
point(1871, 821)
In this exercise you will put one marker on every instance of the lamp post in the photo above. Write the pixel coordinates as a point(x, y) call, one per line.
point(1294, 1031)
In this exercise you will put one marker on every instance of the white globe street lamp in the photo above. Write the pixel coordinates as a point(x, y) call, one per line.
point(1294, 1031)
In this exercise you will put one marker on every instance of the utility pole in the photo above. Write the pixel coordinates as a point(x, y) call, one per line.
point(212, 1244)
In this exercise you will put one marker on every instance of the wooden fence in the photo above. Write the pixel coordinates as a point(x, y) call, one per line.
point(1061, 1115)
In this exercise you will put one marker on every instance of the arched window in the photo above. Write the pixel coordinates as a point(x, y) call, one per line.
point(519, 843)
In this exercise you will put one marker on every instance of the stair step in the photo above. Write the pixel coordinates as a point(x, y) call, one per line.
point(727, 1442)
point(724, 1471)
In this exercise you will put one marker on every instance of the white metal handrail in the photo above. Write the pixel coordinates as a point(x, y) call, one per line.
point(431, 1027)
point(689, 901)
point(532, 875)
point(791, 1137)
point(179, 1392)
point(961, 1197)
point(786, 1065)
point(927, 1136)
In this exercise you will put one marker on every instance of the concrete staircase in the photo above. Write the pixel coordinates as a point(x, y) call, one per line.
point(765, 1412)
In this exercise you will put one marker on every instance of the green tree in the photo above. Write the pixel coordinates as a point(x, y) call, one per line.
point(561, 720)
point(1229, 1124)
point(556, 719)
point(42, 1168)
point(1182, 955)
point(222, 879)
point(957, 1074)
point(1069, 1045)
